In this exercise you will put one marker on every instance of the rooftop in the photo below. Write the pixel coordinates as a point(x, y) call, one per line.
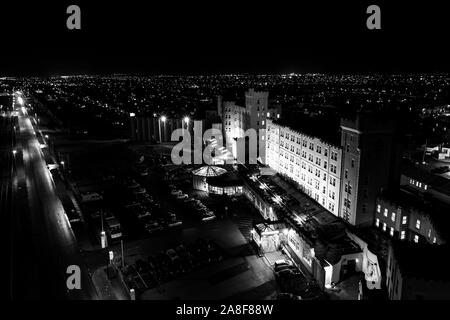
point(325, 232)
point(323, 127)
point(437, 182)
point(209, 171)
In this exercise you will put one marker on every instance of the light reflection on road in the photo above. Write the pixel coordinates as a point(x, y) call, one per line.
point(48, 213)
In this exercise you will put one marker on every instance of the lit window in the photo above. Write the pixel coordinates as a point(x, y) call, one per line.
point(379, 208)
point(416, 238)
point(404, 219)
point(385, 212)
point(268, 114)
point(434, 240)
point(425, 187)
point(377, 222)
point(384, 226)
point(418, 224)
point(391, 232)
point(393, 216)
point(402, 235)
point(262, 122)
point(429, 233)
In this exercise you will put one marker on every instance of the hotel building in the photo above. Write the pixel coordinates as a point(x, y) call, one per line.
point(237, 119)
point(311, 162)
point(345, 179)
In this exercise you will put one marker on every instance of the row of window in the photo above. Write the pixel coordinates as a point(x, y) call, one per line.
point(404, 221)
point(312, 147)
point(418, 184)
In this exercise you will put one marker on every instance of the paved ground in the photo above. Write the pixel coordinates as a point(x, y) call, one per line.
point(241, 274)
point(346, 290)
point(108, 289)
point(46, 245)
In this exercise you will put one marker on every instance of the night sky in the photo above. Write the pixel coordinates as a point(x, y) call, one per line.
point(187, 37)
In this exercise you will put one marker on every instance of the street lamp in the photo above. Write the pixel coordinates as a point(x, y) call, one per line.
point(14, 152)
point(186, 119)
point(163, 119)
point(46, 136)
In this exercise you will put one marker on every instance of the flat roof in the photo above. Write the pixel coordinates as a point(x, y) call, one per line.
point(325, 232)
point(437, 182)
point(325, 128)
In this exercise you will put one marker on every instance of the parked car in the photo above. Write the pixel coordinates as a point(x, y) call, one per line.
point(172, 255)
point(208, 215)
point(176, 192)
point(182, 196)
point(173, 221)
point(143, 214)
point(280, 268)
point(282, 262)
point(284, 273)
point(139, 190)
point(152, 227)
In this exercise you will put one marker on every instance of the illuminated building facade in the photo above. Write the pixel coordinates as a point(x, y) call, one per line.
point(405, 217)
point(237, 119)
point(345, 179)
point(311, 162)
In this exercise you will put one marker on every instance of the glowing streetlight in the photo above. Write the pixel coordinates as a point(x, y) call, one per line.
point(62, 163)
point(132, 114)
point(163, 119)
point(14, 152)
point(46, 136)
point(186, 119)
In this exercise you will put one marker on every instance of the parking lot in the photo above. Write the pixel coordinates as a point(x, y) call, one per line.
point(183, 243)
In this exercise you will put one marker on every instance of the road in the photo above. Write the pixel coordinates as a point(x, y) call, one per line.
point(43, 242)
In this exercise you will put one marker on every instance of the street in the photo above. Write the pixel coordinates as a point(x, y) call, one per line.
point(43, 242)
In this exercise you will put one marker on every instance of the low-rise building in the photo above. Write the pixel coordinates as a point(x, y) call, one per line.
point(425, 182)
point(315, 238)
point(408, 216)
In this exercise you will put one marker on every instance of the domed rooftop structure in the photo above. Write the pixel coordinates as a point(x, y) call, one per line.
point(199, 176)
point(209, 171)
